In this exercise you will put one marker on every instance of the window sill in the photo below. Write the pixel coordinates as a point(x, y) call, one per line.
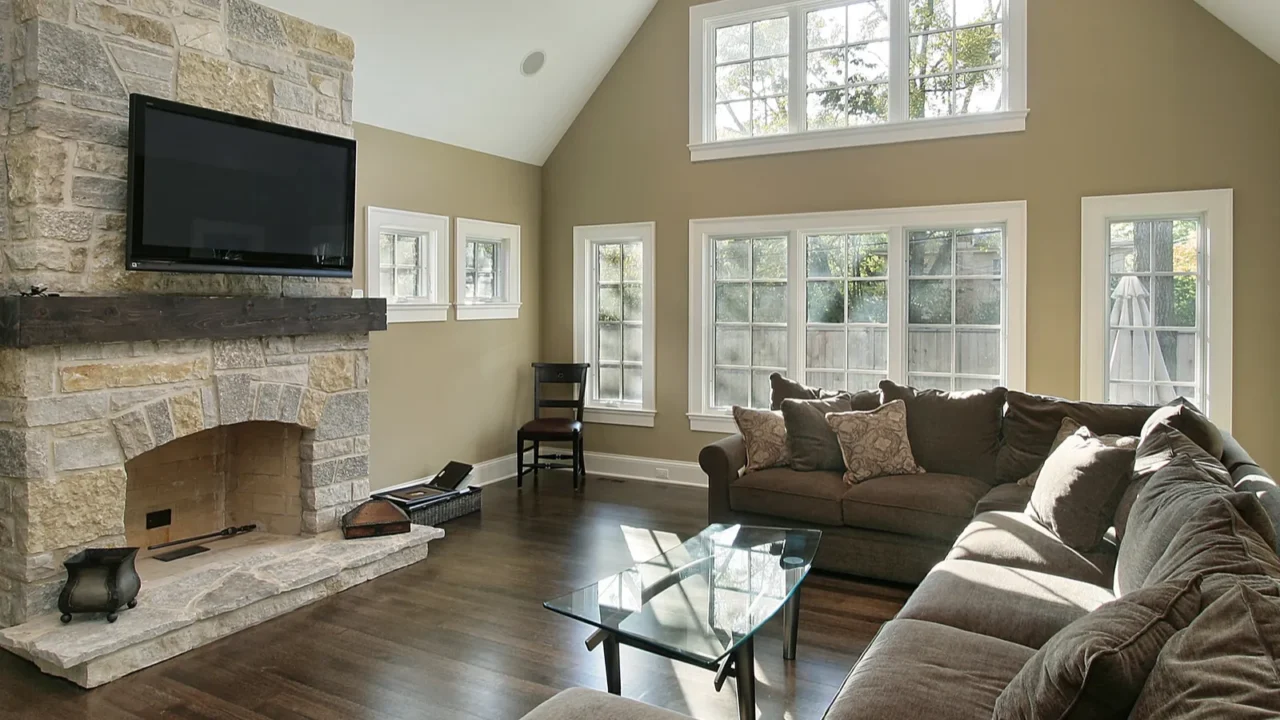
point(413, 312)
point(633, 417)
point(932, 129)
point(712, 423)
point(489, 311)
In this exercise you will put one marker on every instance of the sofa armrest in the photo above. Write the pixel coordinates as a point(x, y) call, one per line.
point(721, 461)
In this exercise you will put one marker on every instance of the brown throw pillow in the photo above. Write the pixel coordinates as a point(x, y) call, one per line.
point(1069, 428)
point(765, 435)
point(813, 445)
point(874, 442)
point(1079, 488)
point(1096, 667)
point(952, 432)
point(1225, 664)
point(1187, 419)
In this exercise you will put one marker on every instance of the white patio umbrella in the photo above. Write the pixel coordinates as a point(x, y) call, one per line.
point(1130, 355)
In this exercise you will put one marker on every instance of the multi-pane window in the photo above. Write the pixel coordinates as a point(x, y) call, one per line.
point(930, 297)
point(789, 70)
point(750, 318)
point(483, 263)
point(1154, 325)
point(847, 310)
point(404, 265)
point(618, 364)
point(752, 72)
point(955, 308)
point(848, 58)
point(956, 57)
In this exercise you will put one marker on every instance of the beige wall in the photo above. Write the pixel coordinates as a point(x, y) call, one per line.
point(448, 390)
point(1125, 97)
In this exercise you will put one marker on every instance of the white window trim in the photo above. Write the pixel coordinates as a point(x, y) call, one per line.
point(1013, 215)
point(509, 307)
point(703, 18)
point(584, 237)
point(1216, 207)
point(432, 309)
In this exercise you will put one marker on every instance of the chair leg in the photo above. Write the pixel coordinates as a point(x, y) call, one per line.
point(580, 460)
point(537, 459)
point(519, 462)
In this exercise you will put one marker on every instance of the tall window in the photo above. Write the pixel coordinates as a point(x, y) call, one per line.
point(955, 295)
point(750, 318)
point(1157, 291)
point(614, 308)
point(407, 257)
point(771, 77)
point(488, 270)
point(933, 297)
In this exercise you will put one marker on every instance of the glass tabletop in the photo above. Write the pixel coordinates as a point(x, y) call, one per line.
point(702, 599)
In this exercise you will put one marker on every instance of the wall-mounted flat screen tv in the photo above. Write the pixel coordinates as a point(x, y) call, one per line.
point(213, 192)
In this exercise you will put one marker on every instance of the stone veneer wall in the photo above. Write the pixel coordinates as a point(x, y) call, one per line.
point(64, 108)
point(71, 416)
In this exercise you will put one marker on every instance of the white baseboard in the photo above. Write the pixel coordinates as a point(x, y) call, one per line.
point(623, 467)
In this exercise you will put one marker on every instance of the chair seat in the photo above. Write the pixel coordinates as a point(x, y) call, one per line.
point(551, 427)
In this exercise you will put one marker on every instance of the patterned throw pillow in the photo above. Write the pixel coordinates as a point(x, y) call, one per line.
point(1067, 429)
point(765, 434)
point(874, 442)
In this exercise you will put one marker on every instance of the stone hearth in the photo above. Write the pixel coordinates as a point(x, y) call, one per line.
point(190, 602)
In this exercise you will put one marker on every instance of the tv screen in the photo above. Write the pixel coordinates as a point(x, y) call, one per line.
point(212, 192)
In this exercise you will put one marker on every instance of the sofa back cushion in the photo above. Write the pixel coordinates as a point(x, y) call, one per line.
point(813, 444)
point(1218, 539)
point(1226, 663)
point(1032, 421)
point(782, 388)
point(1187, 419)
point(1160, 443)
point(1165, 503)
point(1096, 667)
point(1079, 488)
point(957, 433)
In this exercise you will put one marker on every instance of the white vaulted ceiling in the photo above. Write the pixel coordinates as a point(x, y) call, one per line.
point(1257, 20)
point(449, 70)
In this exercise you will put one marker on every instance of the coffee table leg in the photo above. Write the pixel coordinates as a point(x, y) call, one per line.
point(744, 667)
point(612, 669)
point(791, 626)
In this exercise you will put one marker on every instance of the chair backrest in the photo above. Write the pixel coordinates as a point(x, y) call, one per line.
point(560, 374)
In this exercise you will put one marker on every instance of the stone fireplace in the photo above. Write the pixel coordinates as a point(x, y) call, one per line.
point(146, 407)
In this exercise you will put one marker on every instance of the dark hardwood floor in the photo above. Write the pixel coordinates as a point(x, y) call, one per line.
point(464, 635)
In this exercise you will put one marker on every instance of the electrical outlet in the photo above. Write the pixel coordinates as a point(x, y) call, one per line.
point(662, 473)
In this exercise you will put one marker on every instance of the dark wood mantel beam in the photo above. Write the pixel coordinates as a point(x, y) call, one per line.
point(35, 321)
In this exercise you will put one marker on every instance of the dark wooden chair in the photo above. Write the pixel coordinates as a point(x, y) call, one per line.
point(555, 429)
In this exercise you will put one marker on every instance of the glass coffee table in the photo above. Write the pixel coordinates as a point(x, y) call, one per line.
point(702, 602)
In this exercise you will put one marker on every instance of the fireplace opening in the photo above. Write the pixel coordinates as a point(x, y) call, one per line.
point(229, 476)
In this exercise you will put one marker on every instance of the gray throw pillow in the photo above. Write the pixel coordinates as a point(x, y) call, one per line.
point(782, 388)
point(1096, 667)
point(1187, 419)
point(1225, 664)
point(813, 444)
point(1069, 428)
point(1079, 488)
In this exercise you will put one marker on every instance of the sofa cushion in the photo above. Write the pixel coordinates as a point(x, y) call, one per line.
point(1021, 606)
point(785, 493)
point(1032, 421)
point(813, 444)
point(1216, 539)
point(1164, 504)
point(931, 505)
point(584, 704)
point(874, 443)
point(765, 434)
point(1079, 487)
point(1016, 540)
point(915, 670)
point(1226, 663)
point(1096, 666)
point(1160, 443)
point(782, 388)
point(1268, 493)
point(952, 432)
point(1187, 419)
point(1009, 497)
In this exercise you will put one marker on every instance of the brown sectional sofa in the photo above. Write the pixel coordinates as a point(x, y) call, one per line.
point(994, 585)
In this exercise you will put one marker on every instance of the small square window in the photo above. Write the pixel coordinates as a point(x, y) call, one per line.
point(406, 262)
point(488, 270)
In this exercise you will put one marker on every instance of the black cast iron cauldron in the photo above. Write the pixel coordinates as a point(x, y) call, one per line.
point(100, 581)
